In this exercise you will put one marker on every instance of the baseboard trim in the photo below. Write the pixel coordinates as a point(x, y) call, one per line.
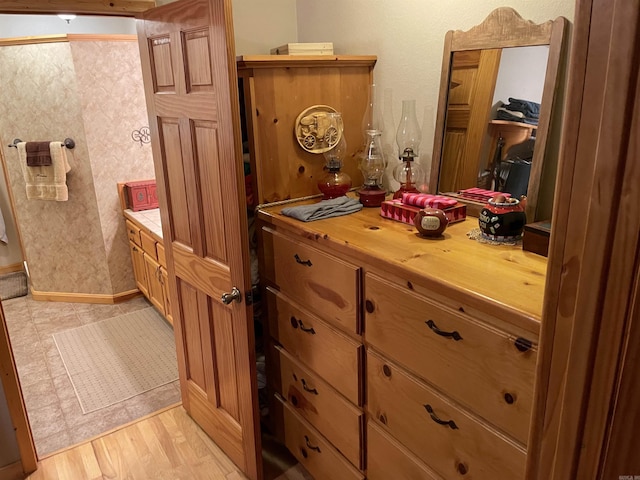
point(84, 297)
point(13, 471)
point(15, 267)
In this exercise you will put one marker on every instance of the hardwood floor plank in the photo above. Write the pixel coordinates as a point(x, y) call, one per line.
point(166, 446)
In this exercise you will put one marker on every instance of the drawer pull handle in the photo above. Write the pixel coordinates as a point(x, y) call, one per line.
point(522, 344)
point(302, 262)
point(432, 325)
point(449, 423)
point(307, 388)
point(305, 329)
point(309, 446)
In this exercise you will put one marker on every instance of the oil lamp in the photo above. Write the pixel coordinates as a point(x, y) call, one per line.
point(335, 183)
point(408, 173)
point(372, 161)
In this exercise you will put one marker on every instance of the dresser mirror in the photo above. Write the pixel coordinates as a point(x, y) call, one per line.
point(479, 142)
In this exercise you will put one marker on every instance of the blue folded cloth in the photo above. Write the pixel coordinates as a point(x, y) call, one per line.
point(324, 209)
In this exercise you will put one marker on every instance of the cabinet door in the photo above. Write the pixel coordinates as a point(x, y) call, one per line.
point(139, 271)
point(154, 282)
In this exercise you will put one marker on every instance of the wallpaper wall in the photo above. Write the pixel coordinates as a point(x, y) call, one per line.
point(49, 93)
point(111, 92)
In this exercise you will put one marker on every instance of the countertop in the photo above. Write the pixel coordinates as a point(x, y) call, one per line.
point(507, 277)
point(149, 219)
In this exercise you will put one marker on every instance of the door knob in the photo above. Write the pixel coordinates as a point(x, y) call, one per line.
point(229, 297)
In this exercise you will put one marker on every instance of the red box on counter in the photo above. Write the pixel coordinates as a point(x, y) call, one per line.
point(141, 195)
point(396, 210)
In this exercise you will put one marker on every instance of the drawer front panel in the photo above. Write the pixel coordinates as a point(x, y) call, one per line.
point(477, 365)
point(336, 418)
point(332, 355)
point(316, 280)
point(387, 459)
point(162, 259)
point(313, 451)
point(133, 232)
point(446, 438)
point(148, 245)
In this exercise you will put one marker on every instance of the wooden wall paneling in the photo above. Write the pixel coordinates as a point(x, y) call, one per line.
point(592, 240)
point(621, 282)
point(621, 453)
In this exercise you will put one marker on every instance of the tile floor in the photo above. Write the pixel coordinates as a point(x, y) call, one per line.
point(54, 413)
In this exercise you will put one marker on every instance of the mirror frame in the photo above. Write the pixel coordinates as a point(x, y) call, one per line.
point(504, 28)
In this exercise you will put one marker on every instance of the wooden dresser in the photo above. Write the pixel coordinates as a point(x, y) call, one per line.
point(396, 356)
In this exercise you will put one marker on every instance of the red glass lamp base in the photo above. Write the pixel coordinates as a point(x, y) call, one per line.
point(405, 189)
point(371, 197)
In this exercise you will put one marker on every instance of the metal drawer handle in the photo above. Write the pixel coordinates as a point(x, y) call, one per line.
point(307, 388)
point(449, 423)
point(302, 262)
point(432, 325)
point(309, 446)
point(296, 322)
point(305, 329)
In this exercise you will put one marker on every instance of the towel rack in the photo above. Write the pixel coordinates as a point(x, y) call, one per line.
point(68, 142)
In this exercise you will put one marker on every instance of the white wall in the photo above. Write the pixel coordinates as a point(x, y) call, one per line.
point(408, 38)
point(29, 25)
point(521, 74)
point(262, 25)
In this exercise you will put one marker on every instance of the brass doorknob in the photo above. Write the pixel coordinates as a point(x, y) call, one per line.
point(229, 297)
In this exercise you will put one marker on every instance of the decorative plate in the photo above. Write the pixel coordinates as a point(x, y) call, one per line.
point(314, 131)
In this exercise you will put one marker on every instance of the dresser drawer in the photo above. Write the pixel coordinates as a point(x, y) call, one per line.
point(133, 232)
point(422, 420)
point(324, 408)
point(313, 451)
point(320, 282)
point(477, 365)
point(327, 352)
point(388, 459)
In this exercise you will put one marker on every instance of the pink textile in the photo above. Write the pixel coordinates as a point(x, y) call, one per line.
point(481, 194)
point(427, 200)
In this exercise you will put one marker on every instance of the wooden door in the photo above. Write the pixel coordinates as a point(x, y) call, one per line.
point(473, 81)
point(189, 70)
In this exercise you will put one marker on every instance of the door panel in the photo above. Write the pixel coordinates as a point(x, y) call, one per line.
point(189, 71)
point(473, 78)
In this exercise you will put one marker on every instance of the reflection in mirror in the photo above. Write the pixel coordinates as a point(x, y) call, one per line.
point(478, 148)
point(497, 92)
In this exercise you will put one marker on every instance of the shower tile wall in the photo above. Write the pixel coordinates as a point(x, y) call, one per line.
point(48, 93)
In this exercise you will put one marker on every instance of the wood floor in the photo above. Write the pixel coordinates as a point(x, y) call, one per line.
point(165, 446)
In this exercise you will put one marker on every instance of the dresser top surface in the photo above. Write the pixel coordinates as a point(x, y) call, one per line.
point(506, 276)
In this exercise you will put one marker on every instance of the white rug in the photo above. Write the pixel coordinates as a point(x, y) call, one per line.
point(119, 358)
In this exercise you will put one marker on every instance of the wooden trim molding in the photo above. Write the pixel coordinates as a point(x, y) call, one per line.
point(86, 37)
point(15, 402)
point(62, 38)
point(123, 8)
point(14, 267)
point(58, 38)
point(307, 61)
point(84, 297)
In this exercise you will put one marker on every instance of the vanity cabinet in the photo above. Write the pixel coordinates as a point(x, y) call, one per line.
point(429, 360)
point(149, 264)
